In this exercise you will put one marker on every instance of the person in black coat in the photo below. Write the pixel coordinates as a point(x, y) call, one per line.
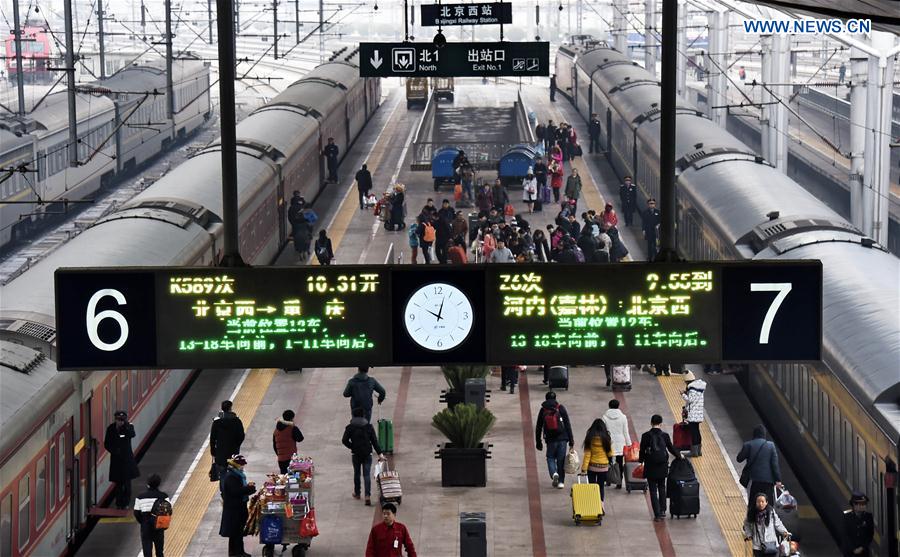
point(324, 250)
point(236, 491)
point(594, 133)
point(541, 247)
point(628, 199)
point(553, 88)
point(225, 437)
point(859, 528)
point(331, 152)
point(143, 505)
point(398, 198)
point(363, 185)
point(359, 437)
point(650, 224)
point(654, 445)
point(122, 466)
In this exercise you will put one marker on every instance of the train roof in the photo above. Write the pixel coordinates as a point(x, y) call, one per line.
point(148, 76)
point(53, 114)
point(10, 141)
point(23, 372)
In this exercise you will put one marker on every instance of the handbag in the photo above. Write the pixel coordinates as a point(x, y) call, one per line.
point(614, 476)
point(213, 472)
point(573, 463)
point(509, 210)
point(769, 548)
point(745, 473)
point(632, 452)
point(308, 528)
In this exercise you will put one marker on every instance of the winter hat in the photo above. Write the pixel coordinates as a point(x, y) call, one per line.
point(689, 376)
point(858, 497)
point(237, 460)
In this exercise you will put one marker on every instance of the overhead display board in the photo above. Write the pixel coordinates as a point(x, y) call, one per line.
point(344, 316)
point(473, 59)
point(482, 13)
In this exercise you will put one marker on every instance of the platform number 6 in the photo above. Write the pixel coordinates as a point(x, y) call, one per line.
point(93, 319)
point(782, 288)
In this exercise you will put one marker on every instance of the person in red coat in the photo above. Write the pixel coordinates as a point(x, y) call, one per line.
point(388, 537)
point(285, 439)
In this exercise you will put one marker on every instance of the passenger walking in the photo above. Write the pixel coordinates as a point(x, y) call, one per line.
point(413, 235)
point(598, 455)
point(442, 234)
point(499, 196)
point(363, 185)
point(225, 437)
point(549, 136)
point(554, 427)
point(594, 133)
point(457, 253)
point(509, 375)
point(236, 491)
point(501, 254)
point(529, 190)
point(859, 527)
point(359, 437)
point(540, 174)
point(556, 176)
point(693, 398)
point(617, 423)
point(762, 526)
point(762, 472)
point(398, 208)
point(553, 88)
point(459, 227)
point(285, 439)
point(628, 199)
point(842, 72)
point(122, 466)
point(539, 132)
point(360, 389)
point(324, 251)
point(573, 189)
point(541, 248)
point(650, 224)
point(427, 236)
point(484, 199)
point(388, 538)
point(301, 229)
point(654, 455)
point(331, 153)
point(147, 506)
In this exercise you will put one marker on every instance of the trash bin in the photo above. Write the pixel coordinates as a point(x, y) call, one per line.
point(472, 535)
point(475, 390)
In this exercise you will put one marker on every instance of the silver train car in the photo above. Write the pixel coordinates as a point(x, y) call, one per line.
point(122, 122)
point(53, 468)
point(838, 420)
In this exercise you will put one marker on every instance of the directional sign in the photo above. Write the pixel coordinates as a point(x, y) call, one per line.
point(466, 14)
point(478, 59)
point(349, 315)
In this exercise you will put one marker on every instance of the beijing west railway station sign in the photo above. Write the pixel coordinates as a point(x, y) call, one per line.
point(491, 13)
point(472, 59)
point(344, 316)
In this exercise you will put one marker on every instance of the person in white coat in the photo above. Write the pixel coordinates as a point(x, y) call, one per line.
point(529, 190)
point(617, 423)
point(693, 398)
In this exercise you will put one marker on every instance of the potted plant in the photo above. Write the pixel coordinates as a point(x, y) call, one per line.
point(464, 456)
point(456, 379)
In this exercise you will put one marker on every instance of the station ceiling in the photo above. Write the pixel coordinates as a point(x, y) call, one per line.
point(885, 14)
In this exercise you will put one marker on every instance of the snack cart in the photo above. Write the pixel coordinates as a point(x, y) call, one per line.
point(286, 500)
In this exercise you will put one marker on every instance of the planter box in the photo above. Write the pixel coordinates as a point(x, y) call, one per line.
point(452, 398)
point(463, 467)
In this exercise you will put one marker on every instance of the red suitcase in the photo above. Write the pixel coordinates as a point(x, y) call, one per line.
point(681, 437)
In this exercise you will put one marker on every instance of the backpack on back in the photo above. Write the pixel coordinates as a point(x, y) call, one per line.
point(656, 453)
point(161, 512)
point(551, 420)
point(360, 441)
point(429, 234)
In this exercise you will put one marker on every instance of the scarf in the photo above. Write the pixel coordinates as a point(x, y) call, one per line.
point(762, 518)
point(240, 474)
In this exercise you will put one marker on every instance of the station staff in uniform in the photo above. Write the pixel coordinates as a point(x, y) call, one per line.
point(122, 466)
point(331, 153)
point(859, 527)
point(388, 537)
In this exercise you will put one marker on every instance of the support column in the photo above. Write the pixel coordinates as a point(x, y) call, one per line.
point(650, 31)
point(667, 239)
point(780, 74)
point(20, 75)
point(321, 31)
point(210, 18)
point(681, 63)
point(70, 84)
point(765, 110)
point(858, 76)
point(275, 27)
point(877, 144)
point(297, 21)
point(717, 87)
point(101, 40)
point(620, 35)
point(228, 141)
point(170, 93)
point(579, 15)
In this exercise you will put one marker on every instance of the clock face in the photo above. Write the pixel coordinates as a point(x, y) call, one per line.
point(438, 316)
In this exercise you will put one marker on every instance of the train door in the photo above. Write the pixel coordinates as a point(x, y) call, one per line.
point(608, 129)
point(575, 87)
point(321, 145)
point(87, 454)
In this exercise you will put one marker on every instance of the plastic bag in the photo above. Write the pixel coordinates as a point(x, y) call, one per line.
point(378, 468)
point(270, 529)
point(638, 472)
point(784, 501)
point(308, 527)
point(573, 463)
point(614, 476)
point(632, 452)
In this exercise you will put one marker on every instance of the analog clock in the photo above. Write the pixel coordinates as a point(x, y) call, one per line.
point(438, 316)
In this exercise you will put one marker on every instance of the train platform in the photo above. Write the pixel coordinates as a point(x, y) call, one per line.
point(525, 515)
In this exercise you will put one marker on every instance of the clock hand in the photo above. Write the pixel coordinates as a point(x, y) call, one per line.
point(441, 310)
point(434, 314)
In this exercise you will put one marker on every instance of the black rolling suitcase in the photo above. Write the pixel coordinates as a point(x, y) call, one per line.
point(558, 377)
point(684, 500)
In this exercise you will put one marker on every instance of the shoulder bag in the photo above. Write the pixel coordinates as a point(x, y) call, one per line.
point(745, 473)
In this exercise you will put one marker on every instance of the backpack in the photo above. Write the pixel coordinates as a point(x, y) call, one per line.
point(429, 234)
point(360, 441)
point(161, 512)
point(551, 420)
point(321, 249)
point(656, 452)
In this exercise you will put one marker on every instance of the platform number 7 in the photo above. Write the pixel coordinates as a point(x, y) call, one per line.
point(782, 288)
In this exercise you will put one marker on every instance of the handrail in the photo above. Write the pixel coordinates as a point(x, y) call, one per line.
point(427, 116)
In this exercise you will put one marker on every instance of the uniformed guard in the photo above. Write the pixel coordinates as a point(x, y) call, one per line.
point(859, 527)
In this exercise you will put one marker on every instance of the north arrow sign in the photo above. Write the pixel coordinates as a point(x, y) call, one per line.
point(375, 60)
point(474, 59)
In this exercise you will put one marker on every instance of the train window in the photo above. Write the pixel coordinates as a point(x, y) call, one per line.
point(113, 396)
point(125, 401)
point(24, 510)
point(814, 423)
point(135, 388)
point(859, 466)
point(54, 474)
point(61, 469)
point(847, 445)
point(836, 438)
point(875, 483)
point(824, 423)
point(106, 411)
point(40, 492)
point(6, 526)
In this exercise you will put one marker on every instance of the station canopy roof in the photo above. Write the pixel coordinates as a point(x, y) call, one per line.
point(885, 14)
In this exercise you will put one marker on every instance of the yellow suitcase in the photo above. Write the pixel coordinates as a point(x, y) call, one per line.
point(587, 507)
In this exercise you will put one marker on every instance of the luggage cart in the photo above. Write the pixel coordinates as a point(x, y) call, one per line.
point(290, 526)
